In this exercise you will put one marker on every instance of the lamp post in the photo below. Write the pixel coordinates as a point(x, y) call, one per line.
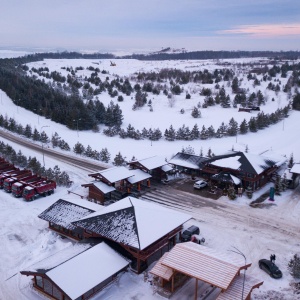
point(77, 125)
point(43, 144)
point(237, 251)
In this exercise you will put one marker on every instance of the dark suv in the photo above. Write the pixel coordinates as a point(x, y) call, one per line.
point(270, 268)
point(187, 234)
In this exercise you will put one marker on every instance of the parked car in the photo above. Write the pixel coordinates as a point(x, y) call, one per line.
point(270, 268)
point(200, 184)
point(186, 236)
point(198, 239)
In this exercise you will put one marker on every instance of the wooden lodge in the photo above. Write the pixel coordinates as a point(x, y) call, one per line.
point(116, 183)
point(138, 229)
point(252, 170)
point(61, 213)
point(156, 166)
point(216, 274)
point(234, 168)
point(77, 272)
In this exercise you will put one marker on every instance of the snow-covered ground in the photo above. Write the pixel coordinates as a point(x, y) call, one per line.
point(25, 238)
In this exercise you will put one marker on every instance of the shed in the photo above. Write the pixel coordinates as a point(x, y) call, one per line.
point(139, 227)
point(77, 272)
point(204, 264)
point(61, 213)
point(99, 191)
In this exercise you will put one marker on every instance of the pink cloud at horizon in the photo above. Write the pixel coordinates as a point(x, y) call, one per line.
point(265, 30)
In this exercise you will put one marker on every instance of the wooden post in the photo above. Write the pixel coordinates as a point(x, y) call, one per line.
point(172, 288)
point(196, 289)
point(148, 182)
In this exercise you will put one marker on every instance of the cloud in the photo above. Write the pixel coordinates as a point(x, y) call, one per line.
point(265, 30)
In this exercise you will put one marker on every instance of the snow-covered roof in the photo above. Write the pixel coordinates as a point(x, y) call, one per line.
point(295, 169)
point(115, 174)
point(250, 163)
point(85, 270)
point(64, 212)
point(202, 262)
point(186, 160)
point(229, 162)
point(18, 184)
point(166, 168)
point(133, 222)
point(103, 187)
point(153, 162)
point(139, 175)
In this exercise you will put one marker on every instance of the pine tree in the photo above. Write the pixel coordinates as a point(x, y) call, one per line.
point(232, 128)
point(28, 131)
point(34, 165)
point(291, 161)
point(55, 140)
point(294, 266)
point(88, 151)
point(244, 127)
point(195, 134)
point(252, 125)
point(44, 138)
point(36, 135)
point(170, 134)
point(119, 160)
point(209, 153)
point(211, 131)
point(203, 133)
point(196, 113)
point(104, 155)
point(78, 148)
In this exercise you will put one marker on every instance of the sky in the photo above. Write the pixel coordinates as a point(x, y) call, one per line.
point(139, 25)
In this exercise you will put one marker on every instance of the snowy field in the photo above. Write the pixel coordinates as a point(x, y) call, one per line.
point(25, 238)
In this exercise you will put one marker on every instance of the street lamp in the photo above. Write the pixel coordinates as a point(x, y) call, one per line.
point(237, 251)
point(77, 125)
point(43, 144)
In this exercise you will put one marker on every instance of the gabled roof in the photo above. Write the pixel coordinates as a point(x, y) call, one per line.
point(295, 169)
point(138, 175)
point(114, 174)
point(64, 212)
point(246, 162)
point(226, 177)
point(187, 160)
point(133, 222)
point(77, 273)
point(101, 186)
point(203, 263)
point(151, 163)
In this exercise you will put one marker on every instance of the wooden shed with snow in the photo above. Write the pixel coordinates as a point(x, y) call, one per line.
point(138, 229)
point(218, 270)
point(77, 272)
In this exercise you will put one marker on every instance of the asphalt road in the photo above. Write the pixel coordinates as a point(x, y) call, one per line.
point(66, 157)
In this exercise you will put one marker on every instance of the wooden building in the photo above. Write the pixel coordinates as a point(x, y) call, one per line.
point(77, 272)
point(156, 166)
point(220, 271)
point(295, 178)
point(253, 170)
point(136, 228)
point(99, 191)
point(116, 183)
point(61, 213)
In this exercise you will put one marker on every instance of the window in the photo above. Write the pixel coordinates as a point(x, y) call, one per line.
point(39, 281)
